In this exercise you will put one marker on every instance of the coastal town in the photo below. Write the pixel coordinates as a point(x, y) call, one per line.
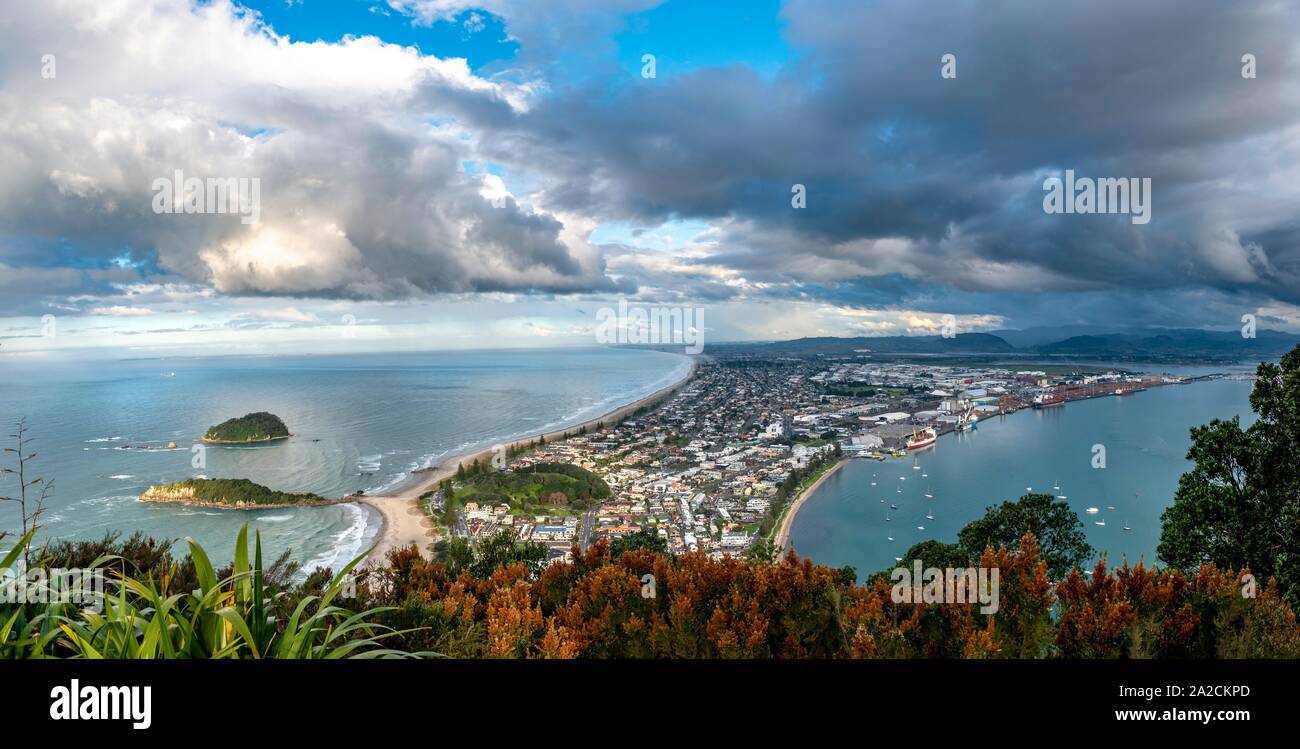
point(719, 464)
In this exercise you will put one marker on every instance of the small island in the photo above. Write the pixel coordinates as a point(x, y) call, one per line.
point(255, 427)
point(235, 494)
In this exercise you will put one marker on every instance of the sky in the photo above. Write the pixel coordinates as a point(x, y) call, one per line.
point(495, 173)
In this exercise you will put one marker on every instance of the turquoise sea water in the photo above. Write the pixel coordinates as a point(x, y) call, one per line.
point(1145, 436)
point(359, 422)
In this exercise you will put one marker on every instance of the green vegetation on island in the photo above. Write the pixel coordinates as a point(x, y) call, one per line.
point(254, 427)
point(236, 493)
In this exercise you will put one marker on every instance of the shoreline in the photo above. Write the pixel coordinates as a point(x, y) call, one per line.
point(403, 522)
point(782, 540)
point(267, 440)
point(245, 507)
point(787, 521)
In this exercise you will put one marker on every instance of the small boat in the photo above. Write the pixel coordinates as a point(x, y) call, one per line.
point(1092, 510)
point(891, 538)
point(1100, 522)
point(929, 515)
point(925, 475)
point(920, 527)
point(916, 468)
point(167, 375)
point(1061, 496)
point(1126, 526)
point(929, 496)
point(873, 483)
point(893, 506)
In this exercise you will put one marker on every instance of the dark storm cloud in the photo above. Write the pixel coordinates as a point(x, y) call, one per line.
point(940, 181)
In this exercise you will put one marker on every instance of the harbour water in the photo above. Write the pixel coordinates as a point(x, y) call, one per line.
point(101, 432)
point(1144, 435)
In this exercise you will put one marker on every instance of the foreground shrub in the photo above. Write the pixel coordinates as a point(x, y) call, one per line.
point(153, 607)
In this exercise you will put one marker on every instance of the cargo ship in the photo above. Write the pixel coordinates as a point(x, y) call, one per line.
point(1047, 400)
point(923, 438)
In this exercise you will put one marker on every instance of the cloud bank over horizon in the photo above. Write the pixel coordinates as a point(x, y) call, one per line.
point(552, 177)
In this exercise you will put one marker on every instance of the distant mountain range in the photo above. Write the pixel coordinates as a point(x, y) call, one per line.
point(965, 343)
point(1069, 341)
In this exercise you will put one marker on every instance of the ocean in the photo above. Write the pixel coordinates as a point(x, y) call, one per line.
point(1144, 435)
point(101, 429)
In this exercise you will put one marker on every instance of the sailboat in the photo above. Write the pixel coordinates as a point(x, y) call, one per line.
point(929, 515)
point(1126, 526)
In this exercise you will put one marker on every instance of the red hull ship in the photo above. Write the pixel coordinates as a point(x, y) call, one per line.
point(923, 438)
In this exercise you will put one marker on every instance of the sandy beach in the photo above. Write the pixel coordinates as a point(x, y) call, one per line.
point(787, 521)
point(404, 523)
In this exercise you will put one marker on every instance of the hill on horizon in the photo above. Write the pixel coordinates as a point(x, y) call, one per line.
point(1156, 343)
